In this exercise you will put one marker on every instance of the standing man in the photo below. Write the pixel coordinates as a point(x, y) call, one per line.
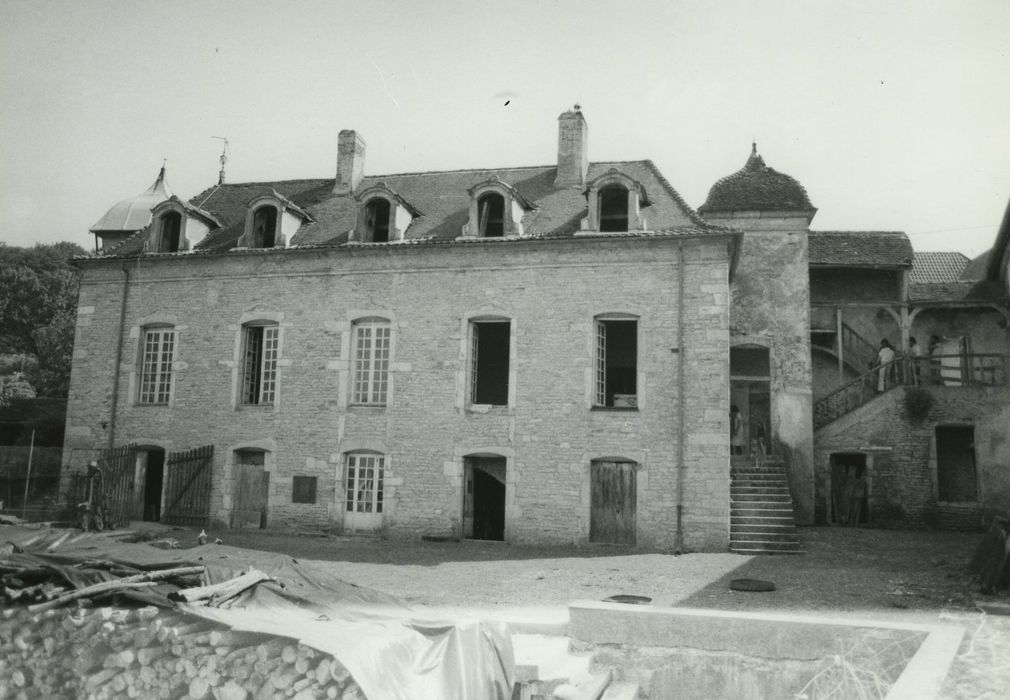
point(885, 356)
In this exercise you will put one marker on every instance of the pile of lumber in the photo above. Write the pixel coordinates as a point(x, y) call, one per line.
point(156, 653)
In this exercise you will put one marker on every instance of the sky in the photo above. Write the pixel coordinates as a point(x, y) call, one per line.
point(894, 115)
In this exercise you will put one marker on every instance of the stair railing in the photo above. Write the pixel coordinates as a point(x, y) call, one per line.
point(937, 370)
point(857, 350)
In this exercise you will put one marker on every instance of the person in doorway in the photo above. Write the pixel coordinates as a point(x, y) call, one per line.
point(885, 356)
point(857, 494)
point(915, 352)
point(737, 440)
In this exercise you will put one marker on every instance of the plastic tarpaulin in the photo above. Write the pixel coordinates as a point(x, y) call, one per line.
point(390, 649)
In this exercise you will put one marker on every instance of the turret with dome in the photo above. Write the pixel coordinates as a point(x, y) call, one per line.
point(756, 188)
point(130, 215)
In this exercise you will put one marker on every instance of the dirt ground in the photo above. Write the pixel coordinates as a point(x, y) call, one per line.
point(866, 573)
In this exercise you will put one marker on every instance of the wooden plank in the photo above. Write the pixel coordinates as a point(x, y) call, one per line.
point(613, 502)
point(187, 486)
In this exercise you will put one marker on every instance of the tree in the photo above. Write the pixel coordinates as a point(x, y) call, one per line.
point(38, 305)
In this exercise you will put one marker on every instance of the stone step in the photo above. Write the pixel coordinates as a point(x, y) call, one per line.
point(762, 510)
point(744, 529)
point(760, 496)
point(759, 550)
point(759, 483)
point(621, 690)
point(585, 686)
point(737, 519)
point(764, 545)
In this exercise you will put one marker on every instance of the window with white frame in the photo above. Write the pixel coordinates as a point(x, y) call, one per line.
point(616, 363)
point(260, 344)
point(364, 482)
point(371, 361)
point(156, 365)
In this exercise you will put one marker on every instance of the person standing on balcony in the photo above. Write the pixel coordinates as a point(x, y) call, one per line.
point(915, 352)
point(885, 356)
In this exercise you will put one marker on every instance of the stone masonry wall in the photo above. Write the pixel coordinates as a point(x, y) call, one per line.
point(901, 455)
point(549, 433)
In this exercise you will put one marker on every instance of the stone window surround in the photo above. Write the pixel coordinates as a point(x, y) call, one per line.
point(256, 318)
point(464, 374)
point(375, 320)
point(137, 335)
point(636, 200)
point(515, 206)
point(400, 211)
point(591, 384)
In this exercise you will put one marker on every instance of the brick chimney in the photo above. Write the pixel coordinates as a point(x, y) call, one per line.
point(350, 161)
point(573, 154)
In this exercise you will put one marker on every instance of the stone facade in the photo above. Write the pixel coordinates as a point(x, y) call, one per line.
point(549, 433)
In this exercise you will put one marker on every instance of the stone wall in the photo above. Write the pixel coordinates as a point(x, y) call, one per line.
point(901, 455)
point(549, 432)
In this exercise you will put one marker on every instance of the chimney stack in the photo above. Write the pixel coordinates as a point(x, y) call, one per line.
point(573, 154)
point(350, 161)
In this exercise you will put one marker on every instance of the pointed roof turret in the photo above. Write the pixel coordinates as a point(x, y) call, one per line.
point(756, 187)
point(134, 213)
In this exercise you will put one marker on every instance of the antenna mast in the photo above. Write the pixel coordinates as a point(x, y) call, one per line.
point(224, 157)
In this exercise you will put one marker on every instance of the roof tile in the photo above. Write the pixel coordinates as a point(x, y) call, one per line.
point(860, 249)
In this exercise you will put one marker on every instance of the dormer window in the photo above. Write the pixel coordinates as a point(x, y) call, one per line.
point(264, 231)
point(383, 216)
point(614, 203)
point(177, 226)
point(171, 232)
point(496, 210)
point(613, 208)
point(377, 212)
point(271, 220)
point(491, 215)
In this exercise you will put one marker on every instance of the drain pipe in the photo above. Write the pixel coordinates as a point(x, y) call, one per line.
point(678, 541)
point(119, 357)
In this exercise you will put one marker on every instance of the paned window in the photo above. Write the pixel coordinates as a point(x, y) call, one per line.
point(616, 363)
point(364, 483)
point(303, 489)
point(259, 364)
point(371, 362)
point(156, 365)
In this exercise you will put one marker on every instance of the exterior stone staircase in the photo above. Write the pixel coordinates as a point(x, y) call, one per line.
point(548, 669)
point(761, 510)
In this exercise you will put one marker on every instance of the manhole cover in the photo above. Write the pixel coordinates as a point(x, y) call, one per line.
point(629, 599)
point(751, 584)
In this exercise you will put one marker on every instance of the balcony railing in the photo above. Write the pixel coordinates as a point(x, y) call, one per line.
point(936, 370)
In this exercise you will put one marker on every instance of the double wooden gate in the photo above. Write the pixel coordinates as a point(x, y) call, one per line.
point(186, 490)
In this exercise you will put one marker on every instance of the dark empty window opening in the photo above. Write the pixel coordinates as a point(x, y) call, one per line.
point(171, 229)
point(259, 364)
point(303, 489)
point(617, 364)
point(955, 464)
point(264, 227)
point(377, 221)
point(491, 215)
point(614, 208)
point(751, 362)
point(490, 370)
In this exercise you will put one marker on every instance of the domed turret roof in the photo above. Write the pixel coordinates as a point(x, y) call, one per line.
point(134, 213)
point(756, 187)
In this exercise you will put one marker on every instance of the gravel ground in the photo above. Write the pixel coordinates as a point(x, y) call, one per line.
point(878, 574)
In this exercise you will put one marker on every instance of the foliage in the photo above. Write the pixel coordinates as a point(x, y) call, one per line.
point(38, 304)
point(918, 401)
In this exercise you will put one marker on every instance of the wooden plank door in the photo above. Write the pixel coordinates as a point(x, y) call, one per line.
point(187, 486)
point(252, 486)
point(613, 502)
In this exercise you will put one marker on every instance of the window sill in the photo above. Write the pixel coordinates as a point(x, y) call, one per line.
point(487, 408)
point(255, 406)
point(367, 407)
point(617, 409)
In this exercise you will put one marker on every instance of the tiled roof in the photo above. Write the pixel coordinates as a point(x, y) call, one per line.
point(930, 267)
point(860, 249)
point(443, 202)
point(756, 187)
point(963, 291)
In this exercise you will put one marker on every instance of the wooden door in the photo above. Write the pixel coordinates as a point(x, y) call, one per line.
point(252, 484)
point(613, 499)
point(186, 487)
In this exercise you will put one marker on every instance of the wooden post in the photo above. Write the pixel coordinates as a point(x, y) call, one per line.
point(841, 344)
point(28, 476)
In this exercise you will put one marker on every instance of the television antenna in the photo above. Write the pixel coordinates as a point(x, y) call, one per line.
point(223, 158)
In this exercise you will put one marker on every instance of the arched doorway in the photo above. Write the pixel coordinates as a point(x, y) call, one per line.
point(484, 498)
point(750, 402)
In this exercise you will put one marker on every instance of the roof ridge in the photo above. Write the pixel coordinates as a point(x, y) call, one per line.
point(691, 213)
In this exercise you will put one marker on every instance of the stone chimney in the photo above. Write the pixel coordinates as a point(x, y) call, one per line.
point(350, 161)
point(573, 154)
